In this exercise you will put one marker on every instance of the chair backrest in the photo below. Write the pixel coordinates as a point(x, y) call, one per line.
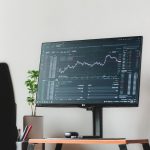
point(8, 127)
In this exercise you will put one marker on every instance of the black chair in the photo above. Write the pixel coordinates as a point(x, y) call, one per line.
point(8, 127)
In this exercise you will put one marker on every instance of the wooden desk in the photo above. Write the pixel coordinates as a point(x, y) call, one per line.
point(122, 143)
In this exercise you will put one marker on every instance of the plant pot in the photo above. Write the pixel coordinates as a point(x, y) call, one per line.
point(37, 126)
point(36, 130)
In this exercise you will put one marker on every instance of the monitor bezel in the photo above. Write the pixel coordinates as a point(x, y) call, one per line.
point(89, 105)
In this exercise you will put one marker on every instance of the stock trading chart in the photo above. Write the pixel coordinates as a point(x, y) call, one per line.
point(90, 71)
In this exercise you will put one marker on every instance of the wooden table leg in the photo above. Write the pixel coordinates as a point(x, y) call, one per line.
point(43, 146)
point(123, 147)
point(58, 147)
point(30, 146)
point(146, 146)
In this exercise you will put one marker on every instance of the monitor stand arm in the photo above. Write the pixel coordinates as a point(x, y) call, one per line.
point(97, 121)
point(97, 114)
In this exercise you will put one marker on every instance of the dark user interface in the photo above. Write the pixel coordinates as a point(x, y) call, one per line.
point(100, 71)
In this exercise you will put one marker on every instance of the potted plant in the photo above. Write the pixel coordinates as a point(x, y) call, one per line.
point(36, 121)
point(31, 84)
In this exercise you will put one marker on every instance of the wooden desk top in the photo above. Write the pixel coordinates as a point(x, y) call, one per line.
point(88, 141)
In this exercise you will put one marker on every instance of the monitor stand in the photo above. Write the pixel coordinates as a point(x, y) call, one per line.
point(97, 121)
point(97, 113)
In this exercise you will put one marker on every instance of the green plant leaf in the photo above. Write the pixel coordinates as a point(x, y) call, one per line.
point(32, 85)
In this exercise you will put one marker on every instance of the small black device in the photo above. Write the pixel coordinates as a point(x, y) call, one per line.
point(71, 134)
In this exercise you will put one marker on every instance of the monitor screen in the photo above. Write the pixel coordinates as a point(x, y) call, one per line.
point(93, 72)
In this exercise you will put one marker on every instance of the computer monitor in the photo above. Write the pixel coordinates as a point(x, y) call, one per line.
point(89, 73)
point(92, 74)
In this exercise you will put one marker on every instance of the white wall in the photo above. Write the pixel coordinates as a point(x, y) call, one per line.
point(25, 24)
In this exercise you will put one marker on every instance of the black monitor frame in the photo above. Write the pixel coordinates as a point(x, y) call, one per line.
point(97, 108)
point(92, 105)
